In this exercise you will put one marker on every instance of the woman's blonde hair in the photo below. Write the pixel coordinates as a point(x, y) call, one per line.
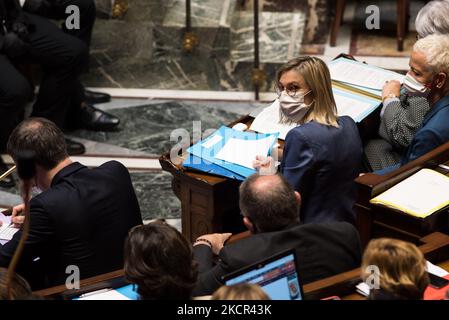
point(317, 76)
point(401, 265)
point(241, 291)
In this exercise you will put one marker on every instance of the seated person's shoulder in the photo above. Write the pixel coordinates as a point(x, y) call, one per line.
point(341, 228)
point(115, 166)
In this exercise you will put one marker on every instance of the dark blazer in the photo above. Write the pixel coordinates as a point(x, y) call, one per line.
point(321, 162)
point(433, 133)
point(82, 220)
point(322, 250)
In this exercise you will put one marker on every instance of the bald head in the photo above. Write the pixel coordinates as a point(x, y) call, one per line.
point(41, 137)
point(269, 202)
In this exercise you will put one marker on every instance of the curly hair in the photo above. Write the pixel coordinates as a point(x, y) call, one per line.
point(160, 261)
point(402, 267)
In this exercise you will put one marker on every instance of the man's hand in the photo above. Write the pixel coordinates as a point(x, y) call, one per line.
point(392, 87)
point(16, 217)
point(217, 240)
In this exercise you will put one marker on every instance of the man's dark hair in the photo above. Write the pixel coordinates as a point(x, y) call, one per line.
point(270, 209)
point(160, 261)
point(41, 137)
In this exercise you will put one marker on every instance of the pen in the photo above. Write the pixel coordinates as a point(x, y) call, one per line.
point(95, 292)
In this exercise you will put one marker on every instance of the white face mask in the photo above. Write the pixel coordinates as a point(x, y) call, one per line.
point(293, 109)
point(413, 85)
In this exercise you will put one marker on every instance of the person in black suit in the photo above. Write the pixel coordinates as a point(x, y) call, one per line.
point(56, 9)
point(270, 211)
point(81, 218)
point(29, 38)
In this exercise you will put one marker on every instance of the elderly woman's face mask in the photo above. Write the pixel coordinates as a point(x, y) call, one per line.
point(413, 85)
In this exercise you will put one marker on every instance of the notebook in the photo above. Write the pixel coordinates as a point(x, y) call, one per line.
point(277, 276)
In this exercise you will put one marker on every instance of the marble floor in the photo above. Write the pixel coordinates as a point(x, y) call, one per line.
point(145, 131)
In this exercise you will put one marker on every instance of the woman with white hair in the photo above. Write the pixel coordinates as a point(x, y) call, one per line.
point(429, 68)
point(404, 108)
point(433, 18)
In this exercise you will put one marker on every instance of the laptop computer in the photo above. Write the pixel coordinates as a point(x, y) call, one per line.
point(276, 275)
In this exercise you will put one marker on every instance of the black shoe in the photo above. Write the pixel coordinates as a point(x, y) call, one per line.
point(93, 97)
point(7, 182)
point(74, 148)
point(97, 120)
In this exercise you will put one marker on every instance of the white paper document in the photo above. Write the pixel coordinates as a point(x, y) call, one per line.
point(436, 270)
point(420, 195)
point(104, 295)
point(362, 75)
point(244, 152)
point(352, 107)
point(7, 230)
point(268, 122)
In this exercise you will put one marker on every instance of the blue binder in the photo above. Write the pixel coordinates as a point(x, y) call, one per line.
point(196, 163)
point(208, 148)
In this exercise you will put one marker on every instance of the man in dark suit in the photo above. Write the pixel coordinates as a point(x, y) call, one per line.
point(82, 216)
point(270, 211)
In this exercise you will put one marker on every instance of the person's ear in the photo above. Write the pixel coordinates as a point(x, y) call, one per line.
point(441, 80)
point(248, 224)
point(298, 198)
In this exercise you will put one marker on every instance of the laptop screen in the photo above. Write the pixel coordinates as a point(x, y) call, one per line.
point(277, 276)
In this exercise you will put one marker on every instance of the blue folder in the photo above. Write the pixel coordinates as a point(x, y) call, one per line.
point(208, 148)
point(196, 163)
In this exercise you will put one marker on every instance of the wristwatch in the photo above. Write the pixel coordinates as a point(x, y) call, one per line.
point(390, 96)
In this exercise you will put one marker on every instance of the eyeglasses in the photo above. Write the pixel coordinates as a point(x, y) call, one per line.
point(291, 90)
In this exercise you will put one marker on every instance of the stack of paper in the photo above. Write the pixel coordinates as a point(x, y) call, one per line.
point(420, 195)
point(268, 121)
point(231, 150)
point(7, 229)
point(361, 76)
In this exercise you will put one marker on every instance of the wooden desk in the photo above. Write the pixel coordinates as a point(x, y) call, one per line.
point(377, 221)
point(435, 248)
point(210, 203)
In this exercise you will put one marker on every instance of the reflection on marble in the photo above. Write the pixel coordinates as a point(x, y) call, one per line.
point(280, 36)
point(10, 197)
point(144, 49)
point(148, 128)
point(155, 196)
point(186, 73)
point(317, 15)
point(204, 13)
point(104, 8)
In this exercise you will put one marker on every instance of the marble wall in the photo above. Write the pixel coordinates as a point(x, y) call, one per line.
point(144, 49)
point(280, 36)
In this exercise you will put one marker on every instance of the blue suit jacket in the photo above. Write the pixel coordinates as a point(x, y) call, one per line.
point(321, 162)
point(433, 133)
